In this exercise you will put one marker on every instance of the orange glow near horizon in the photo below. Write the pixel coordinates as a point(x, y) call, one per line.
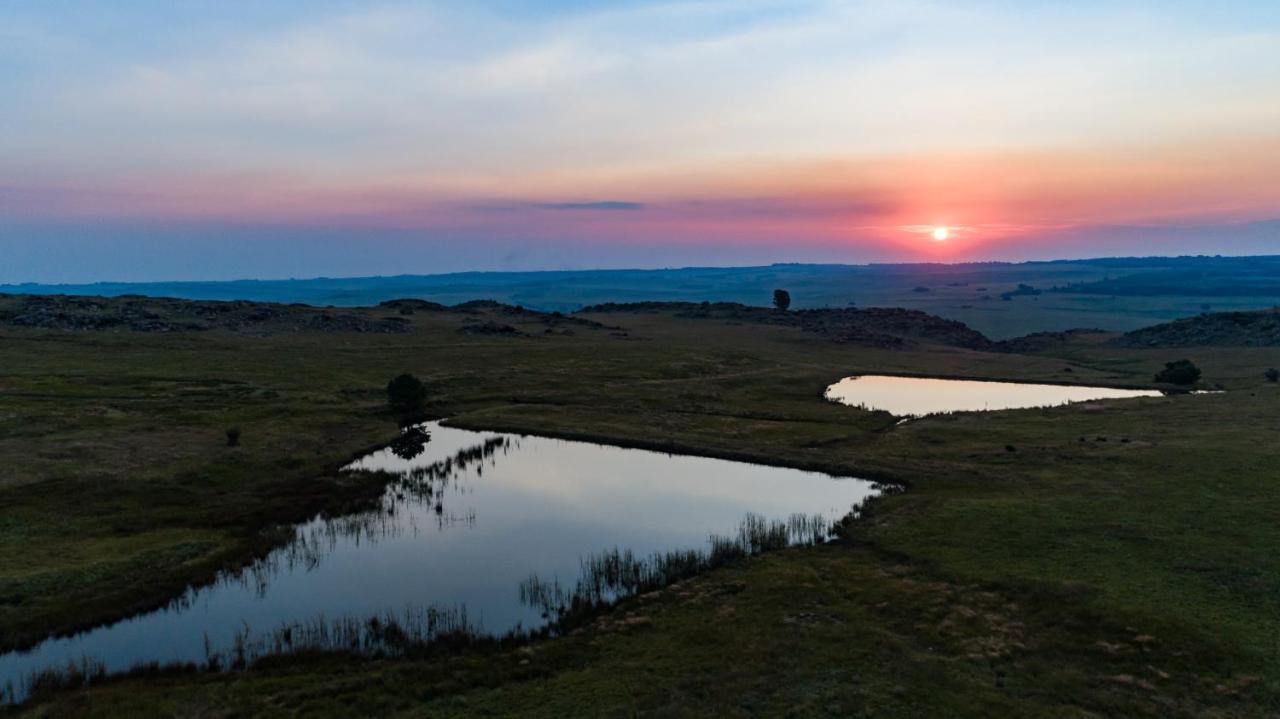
point(865, 206)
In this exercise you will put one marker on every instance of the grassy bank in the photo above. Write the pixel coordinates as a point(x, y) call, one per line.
point(1066, 561)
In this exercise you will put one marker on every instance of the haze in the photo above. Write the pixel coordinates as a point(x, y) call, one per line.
point(147, 140)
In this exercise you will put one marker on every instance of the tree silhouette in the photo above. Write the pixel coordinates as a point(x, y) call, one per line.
point(1179, 372)
point(781, 299)
point(406, 394)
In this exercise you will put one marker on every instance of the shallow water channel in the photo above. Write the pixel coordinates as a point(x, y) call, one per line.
point(472, 516)
point(920, 396)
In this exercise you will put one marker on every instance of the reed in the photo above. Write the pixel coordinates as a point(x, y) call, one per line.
point(618, 574)
point(416, 631)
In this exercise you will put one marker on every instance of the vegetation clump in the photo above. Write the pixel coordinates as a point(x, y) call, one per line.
point(1183, 372)
point(619, 574)
point(406, 394)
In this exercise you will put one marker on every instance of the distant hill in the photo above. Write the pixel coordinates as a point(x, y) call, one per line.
point(134, 313)
point(1220, 329)
point(887, 327)
point(1001, 300)
point(884, 327)
point(1206, 277)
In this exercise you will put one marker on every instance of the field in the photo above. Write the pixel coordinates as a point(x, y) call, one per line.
point(1113, 559)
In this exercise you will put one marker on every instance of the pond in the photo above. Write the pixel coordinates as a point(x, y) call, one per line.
point(920, 396)
point(477, 532)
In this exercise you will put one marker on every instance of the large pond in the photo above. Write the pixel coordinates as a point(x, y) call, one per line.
point(455, 542)
point(919, 396)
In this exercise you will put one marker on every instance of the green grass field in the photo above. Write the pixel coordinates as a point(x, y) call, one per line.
point(1066, 562)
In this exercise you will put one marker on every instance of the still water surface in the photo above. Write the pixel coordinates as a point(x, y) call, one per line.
point(919, 396)
point(475, 514)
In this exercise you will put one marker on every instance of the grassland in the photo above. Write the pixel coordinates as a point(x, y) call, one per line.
point(1076, 561)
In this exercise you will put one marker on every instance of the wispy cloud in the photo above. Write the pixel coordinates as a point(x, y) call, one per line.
point(596, 205)
point(812, 121)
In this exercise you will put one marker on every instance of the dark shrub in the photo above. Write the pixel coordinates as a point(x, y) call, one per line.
point(406, 394)
point(1272, 375)
point(782, 299)
point(233, 437)
point(1180, 372)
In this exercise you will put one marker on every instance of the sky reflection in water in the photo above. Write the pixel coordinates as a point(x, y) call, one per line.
point(919, 396)
point(473, 515)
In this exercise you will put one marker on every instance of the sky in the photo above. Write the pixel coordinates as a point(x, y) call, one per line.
point(213, 139)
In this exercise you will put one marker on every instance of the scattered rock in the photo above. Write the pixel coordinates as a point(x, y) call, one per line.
point(1111, 648)
point(1128, 680)
point(488, 327)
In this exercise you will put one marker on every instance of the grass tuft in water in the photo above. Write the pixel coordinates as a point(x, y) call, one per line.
point(617, 574)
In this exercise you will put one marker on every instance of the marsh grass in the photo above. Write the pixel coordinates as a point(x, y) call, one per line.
point(614, 575)
point(606, 578)
point(415, 632)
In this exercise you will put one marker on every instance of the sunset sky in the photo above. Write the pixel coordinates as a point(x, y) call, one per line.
point(208, 139)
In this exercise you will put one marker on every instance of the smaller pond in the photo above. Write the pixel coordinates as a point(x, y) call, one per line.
point(480, 533)
point(920, 396)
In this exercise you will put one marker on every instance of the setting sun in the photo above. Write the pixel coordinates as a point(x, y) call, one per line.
point(941, 233)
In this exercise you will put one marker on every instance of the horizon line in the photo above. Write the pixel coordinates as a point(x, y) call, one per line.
point(321, 278)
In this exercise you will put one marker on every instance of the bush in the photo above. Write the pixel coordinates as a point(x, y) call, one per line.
point(1182, 372)
point(1272, 375)
point(406, 394)
point(233, 437)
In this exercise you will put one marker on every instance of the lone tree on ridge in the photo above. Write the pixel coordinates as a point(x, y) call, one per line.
point(781, 299)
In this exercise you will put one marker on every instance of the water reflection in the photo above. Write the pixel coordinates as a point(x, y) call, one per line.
point(919, 396)
point(469, 517)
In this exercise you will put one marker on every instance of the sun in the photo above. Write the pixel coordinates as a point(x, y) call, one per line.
point(941, 233)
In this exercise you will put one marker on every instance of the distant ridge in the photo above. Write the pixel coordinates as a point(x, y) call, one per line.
point(1061, 294)
point(1219, 329)
point(361, 290)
